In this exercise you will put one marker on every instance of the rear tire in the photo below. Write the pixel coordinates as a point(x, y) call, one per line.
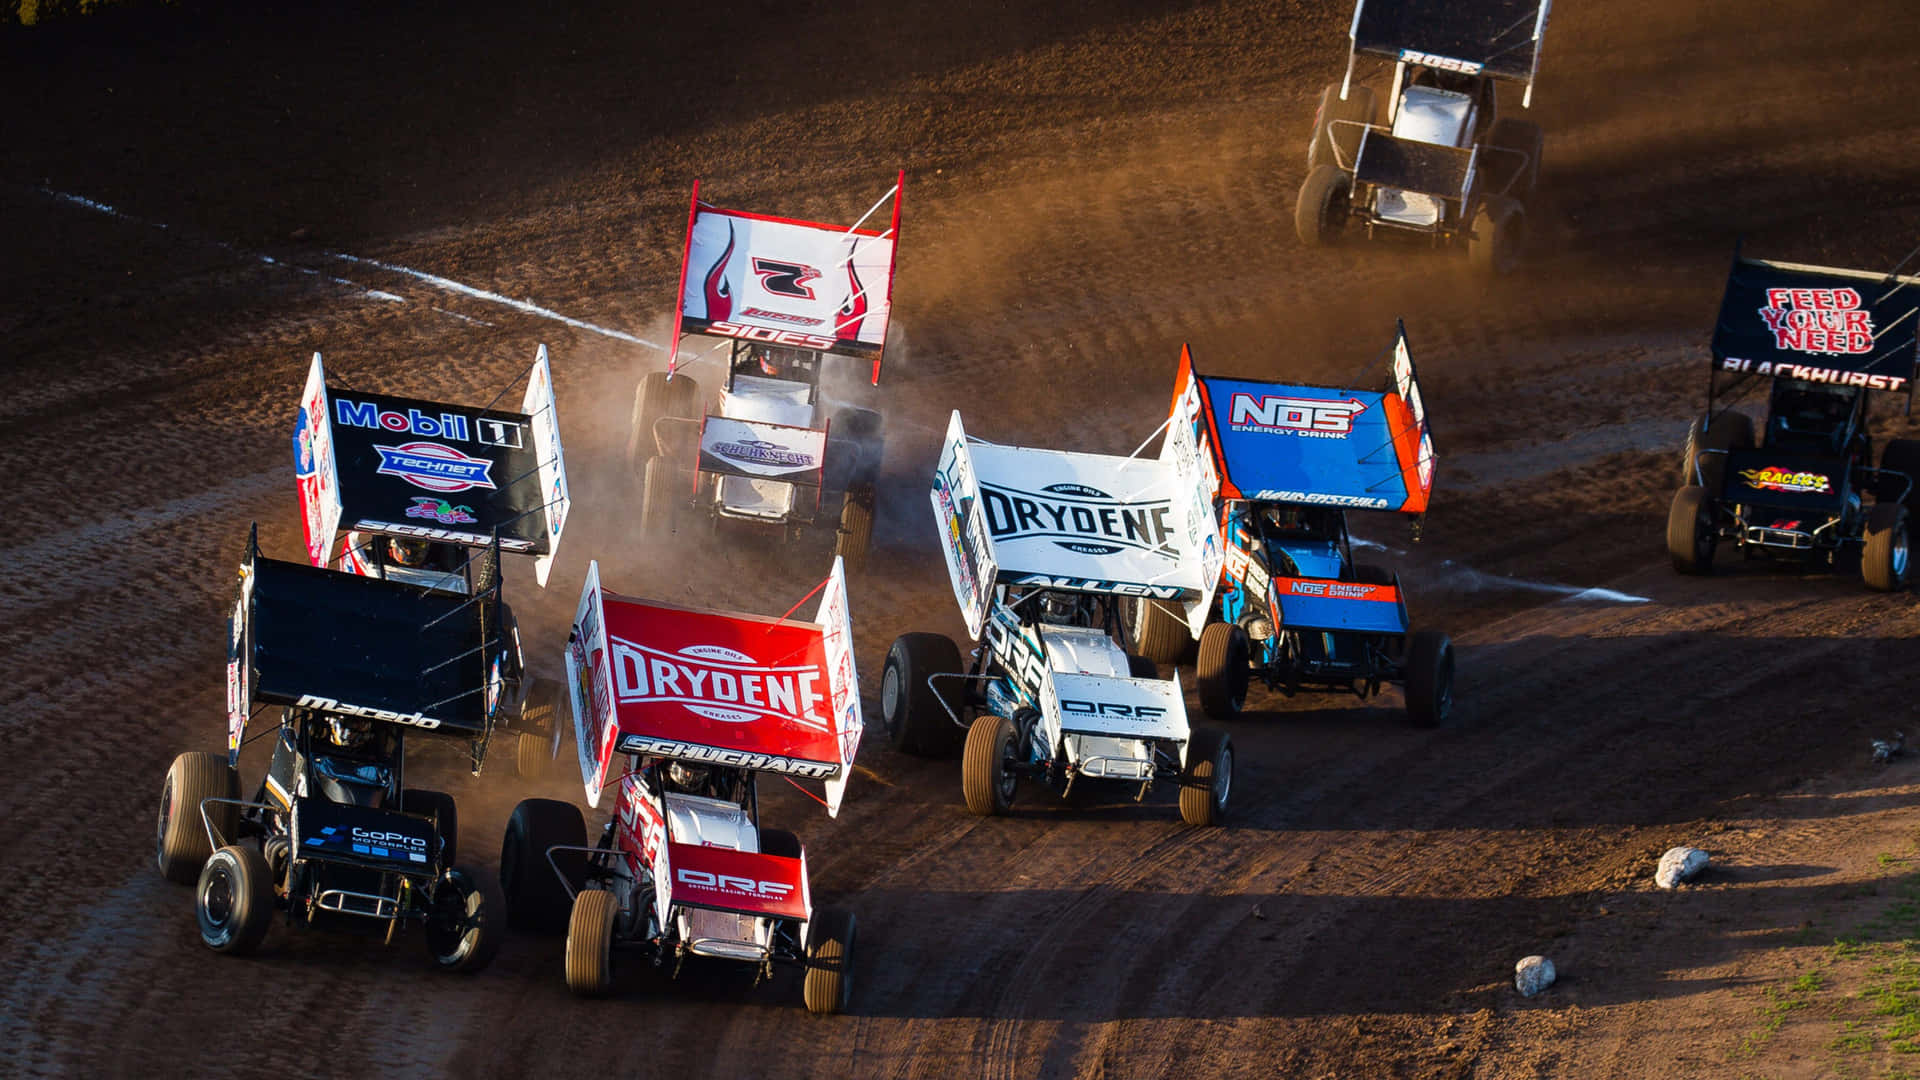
point(234, 900)
point(542, 736)
point(181, 846)
point(1429, 671)
point(660, 494)
point(1499, 231)
point(1884, 562)
point(1517, 176)
point(1690, 539)
point(779, 842)
point(428, 804)
point(590, 943)
point(1901, 456)
point(1222, 674)
point(536, 900)
point(657, 397)
point(464, 928)
point(1159, 634)
point(1325, 202)
point(1208, 778)
point(829, 982)
point(1140, 667)
point(1327, 134)
point(1370, 574)
point(911, 710)
point(856, 528)
point(986, 777)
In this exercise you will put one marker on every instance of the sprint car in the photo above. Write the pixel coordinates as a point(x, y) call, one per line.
point(1445, 165)
point(693, 706)
point(773, 451)
point(421, 491)
point(1042, 548)
point(1820, 341)
point(1296, 610)
point(358, 667)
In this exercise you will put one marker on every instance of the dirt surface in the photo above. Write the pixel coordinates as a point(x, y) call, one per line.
point(189, 202)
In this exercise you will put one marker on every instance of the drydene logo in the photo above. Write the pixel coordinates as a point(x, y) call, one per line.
point(719, 683)
point(1826, 322)
point(1081, 519)
point(1797, 483)
point(434, 467)
point(1311, 417)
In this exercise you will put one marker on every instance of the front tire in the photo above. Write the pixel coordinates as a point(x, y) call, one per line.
point(660, 493)
point(1429, 671)
point(536, 899)
point(181, 846)
point(913, 713)
point(1222, 673)
point(829, 982)
point(987, 778)
point(1326, 201)
point(1159, 634)
point(440, 806)
point(1207, 779)
point(234, 900)
point(655, 398)
point(1499, 230)
point(1690, 538)
point(1884, 563)
point(464, 926)
point(590, 943)
point(856, 528)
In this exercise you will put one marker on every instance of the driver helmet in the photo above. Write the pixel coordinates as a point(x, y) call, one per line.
point(407, 552)
point(348, 731)
point(687, 777)
point(1281, 520)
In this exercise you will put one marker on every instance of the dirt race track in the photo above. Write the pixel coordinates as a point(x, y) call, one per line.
point(1089, 186)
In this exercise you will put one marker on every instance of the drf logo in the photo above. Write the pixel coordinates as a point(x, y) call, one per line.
point(700, 879)
point(783, 278)
point(1112, 708)
point(1294, 416)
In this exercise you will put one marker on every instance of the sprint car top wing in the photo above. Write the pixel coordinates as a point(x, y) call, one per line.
point(1125, 526)
point(721, 688)
point(778, 281)
point(452, 473)
point(1314, 445)
point(340, 643)
point(1844, 327)
point(1500, 38)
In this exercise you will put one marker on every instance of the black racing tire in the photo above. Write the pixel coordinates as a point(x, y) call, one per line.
point(536, 901)
point(466, 922)
point(779, 842)
point(910, 710)
point(660, 495)
point(1207, 780)
point(855, 534)
point(1498, 235)
point(1690, 534)
point(655, 398)
point(1884, 562)
point(428, 804)
point(233, 901)
point(1729, 431)
point(1429, 679)
point(986, 775)
point(1901, 456)
point(1372, 574)
point(829, 981)
point(181, 846)
point(1517, 171)
point(1329, 135)
point(1141, 667)
point(590, 943)
point(1158, 632)
point(542, 734)
point(1326, 201)
point(1222, 675)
